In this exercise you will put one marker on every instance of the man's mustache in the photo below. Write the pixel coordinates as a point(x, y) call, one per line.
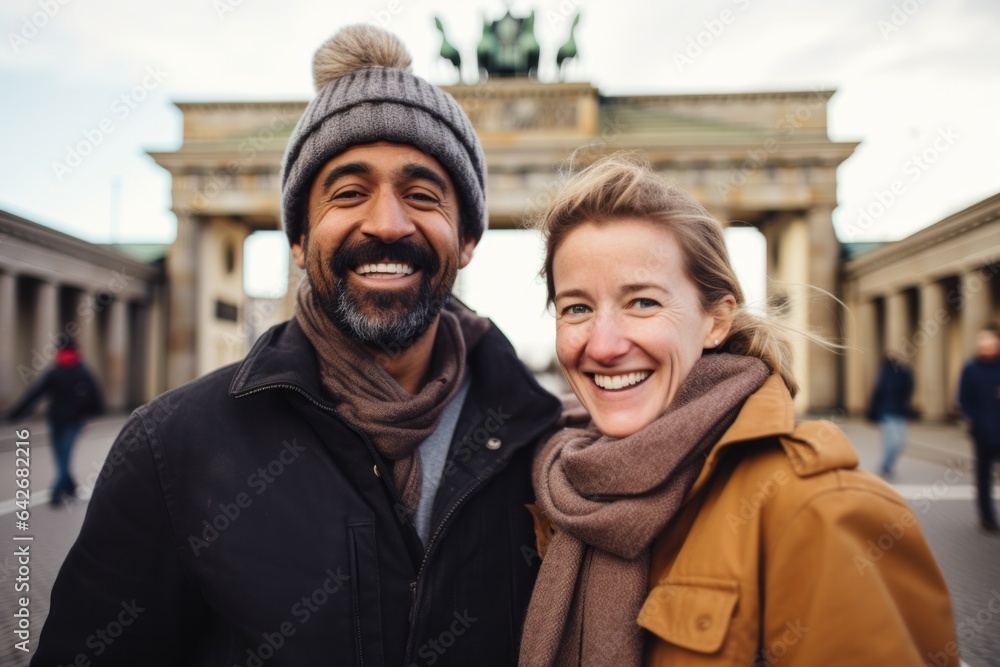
point(374, 251)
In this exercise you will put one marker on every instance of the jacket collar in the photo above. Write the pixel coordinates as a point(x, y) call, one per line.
point(811, 447)
point(282, 357)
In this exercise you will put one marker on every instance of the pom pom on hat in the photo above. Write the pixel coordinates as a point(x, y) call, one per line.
point(357, 47)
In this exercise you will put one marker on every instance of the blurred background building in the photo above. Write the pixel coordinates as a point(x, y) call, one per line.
point(760, 159)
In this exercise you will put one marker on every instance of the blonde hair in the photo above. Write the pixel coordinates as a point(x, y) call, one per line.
point(623, 186)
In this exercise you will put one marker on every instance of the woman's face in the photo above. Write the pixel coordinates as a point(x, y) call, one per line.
point(629, 324)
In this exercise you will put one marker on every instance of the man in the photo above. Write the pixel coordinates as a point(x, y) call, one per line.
point(890, 406)
point(353, 492)
point(979, 398)
point(73, 397)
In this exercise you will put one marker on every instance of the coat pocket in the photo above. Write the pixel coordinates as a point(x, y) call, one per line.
point(365, 595)
point(691, 612)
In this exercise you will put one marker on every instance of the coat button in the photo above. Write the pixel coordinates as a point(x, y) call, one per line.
point(704, 622)
point(493, 443)
point(377, 473)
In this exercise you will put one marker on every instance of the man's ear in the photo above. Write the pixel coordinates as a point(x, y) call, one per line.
point(299, 251)
point(465, 251)
point(722, 320)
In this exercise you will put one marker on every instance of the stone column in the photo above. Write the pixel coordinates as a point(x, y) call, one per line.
point(45, 335)
point(85, 314)
point(976, 309)
point(862, 358)
point(824, 314)
point(896, 325)
point(182, 276)
point(932, 340)
point(116, 355)
point(8, 338)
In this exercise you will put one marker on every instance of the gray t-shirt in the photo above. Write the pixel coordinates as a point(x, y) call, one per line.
point(433, 453)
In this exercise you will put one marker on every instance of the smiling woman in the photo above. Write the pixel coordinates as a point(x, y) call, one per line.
point(650, 555)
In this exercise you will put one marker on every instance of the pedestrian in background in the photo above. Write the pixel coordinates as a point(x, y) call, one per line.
point(979, 398)
point(890, 407)
point(74, 396)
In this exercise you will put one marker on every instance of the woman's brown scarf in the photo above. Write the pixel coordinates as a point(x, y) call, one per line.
point(609, 499)
point(367, 396)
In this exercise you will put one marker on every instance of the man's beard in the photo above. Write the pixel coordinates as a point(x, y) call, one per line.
point(390, 319)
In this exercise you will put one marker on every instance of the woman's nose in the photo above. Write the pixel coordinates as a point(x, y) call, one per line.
point(608, 340)
point(387, 219)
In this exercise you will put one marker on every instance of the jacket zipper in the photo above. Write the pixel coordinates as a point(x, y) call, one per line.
point(414, 585)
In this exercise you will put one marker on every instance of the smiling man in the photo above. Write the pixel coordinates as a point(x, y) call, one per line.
point(353, 491)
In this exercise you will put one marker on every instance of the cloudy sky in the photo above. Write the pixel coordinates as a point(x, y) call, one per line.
point(918, 84)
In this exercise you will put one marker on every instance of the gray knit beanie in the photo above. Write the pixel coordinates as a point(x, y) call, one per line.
point(366, 93)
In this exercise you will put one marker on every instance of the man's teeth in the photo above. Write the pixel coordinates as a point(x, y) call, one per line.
point(392, 268)
point(620, 381)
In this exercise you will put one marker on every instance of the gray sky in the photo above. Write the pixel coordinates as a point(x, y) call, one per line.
point(918, 83)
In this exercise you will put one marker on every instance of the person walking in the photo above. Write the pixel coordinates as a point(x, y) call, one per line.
point(979, 399)
point(890, 407)
point(74, 396)
point(354, 490)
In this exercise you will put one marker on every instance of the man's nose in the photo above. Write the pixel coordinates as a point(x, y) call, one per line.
point(388, 220)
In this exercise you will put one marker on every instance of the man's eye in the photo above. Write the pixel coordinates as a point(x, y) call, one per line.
point(349, 194)
point(425, 198)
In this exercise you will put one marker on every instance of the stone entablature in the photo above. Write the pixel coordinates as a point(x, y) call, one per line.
point(923, 299)
point(53, 285)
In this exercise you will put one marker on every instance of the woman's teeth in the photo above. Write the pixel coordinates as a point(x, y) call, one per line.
point(390, 268)
point(620, 381)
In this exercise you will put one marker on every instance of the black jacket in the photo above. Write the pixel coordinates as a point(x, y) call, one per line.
point(73, 396)
point(979, 398)
point(893, 391)
point(239, 520)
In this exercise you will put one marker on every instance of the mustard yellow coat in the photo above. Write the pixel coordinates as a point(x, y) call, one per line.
point(786, 553)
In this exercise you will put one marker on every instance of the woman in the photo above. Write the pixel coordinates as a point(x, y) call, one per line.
point(694, 522)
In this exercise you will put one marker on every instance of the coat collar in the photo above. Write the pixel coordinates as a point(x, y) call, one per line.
point(811, 447)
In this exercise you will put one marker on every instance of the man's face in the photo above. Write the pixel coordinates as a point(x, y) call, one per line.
point(987, 345)
point(383, 245)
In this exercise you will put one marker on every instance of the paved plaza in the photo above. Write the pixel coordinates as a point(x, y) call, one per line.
point(934, 475)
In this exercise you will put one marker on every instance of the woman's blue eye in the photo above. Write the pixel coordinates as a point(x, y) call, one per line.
point(646, 303)
point(575, 309)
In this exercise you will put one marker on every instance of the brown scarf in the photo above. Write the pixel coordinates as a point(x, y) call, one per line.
point(370, 399)
point(609, 499)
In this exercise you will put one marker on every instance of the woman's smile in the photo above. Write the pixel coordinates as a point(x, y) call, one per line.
point(627, 335)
